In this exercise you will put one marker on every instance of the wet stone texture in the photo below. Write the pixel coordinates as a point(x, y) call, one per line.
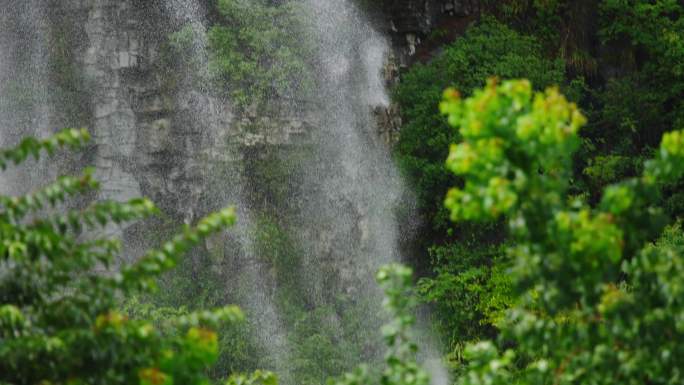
point(149, 139)
point(412, 21)
point(155, 141)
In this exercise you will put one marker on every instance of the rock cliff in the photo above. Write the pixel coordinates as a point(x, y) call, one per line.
point(156, 139)
point(151, 138)
point(412, 22)
point(168, 139)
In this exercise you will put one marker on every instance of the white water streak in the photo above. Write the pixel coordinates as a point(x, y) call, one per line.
point(258, 301)
point(24, 88)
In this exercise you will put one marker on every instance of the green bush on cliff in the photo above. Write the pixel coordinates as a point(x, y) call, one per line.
point(488, 49)
point(646, 101)
point(255, 52)
point(630, 53)
point(401, 366)
point(468, 288)
point(469, 292)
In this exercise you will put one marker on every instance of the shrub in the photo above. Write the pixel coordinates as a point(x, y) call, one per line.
point(597, 302)
point(469, 292)
point(464, 311)
point(401, 367)
point(488, 49)
point(255, 52)
point(60, 289)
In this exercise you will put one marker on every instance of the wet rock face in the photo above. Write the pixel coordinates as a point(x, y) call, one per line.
point(419, 16)
point(412, 21)
point(139, 145)
point(165, 144)
point(460, 7)
point(412, 16)
point(411, 24)
point(114, 46)
point(151, 139)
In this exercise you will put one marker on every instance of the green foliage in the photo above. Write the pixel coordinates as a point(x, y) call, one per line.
point(640, 96)
point(255, 53)
point(59, 290)
point(654, 25)
point(627, 57)
point(278, 174)
point(257, 378)
point(321, 348)
point(543, 138)
point(463, 258)
point(276, 248)
point(324, 338)
point(630, 54)
point(650, 96)
point(565, 28)
point(488, 49)
point(32, 147)
point(469, 292)
point(401, 367)
point(236, 349)
point(597, 302)
point(603, 170)
point(184, 58)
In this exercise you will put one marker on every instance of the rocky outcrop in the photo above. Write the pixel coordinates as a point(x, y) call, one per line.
point(420, 16)
point(411, 22)
point(114, 46)
point(150, 138)
point(282, 126)
point(158, 141)
point(418, 29)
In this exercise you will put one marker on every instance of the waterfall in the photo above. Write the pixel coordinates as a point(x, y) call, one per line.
point(345, 225)
point(355, 206)
point(301, 261)
point(360, 187)
point(205, 114)
point(25, 101)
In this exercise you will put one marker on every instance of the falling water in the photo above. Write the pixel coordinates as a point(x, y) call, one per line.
point(257, 302)
point(343, 197)
point(345, 225)
point(359, 190)
point(25, 100)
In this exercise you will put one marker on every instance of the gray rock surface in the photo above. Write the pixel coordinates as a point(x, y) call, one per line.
point(150, 140)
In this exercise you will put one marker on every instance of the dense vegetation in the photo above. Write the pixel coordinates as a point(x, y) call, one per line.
point(59, 318)
point(596, 302)
point(68, 307)
point(256, 54)
point(251, 54)
point(620, 61)
point(564, 264)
